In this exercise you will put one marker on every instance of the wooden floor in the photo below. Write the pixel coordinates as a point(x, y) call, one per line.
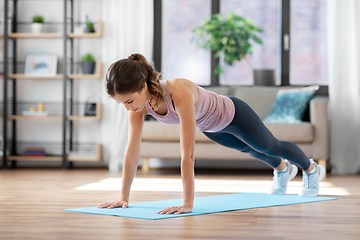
point(31, 203)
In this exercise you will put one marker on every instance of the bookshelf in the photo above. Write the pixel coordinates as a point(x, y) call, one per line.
point(23, 76)
point(65, 76)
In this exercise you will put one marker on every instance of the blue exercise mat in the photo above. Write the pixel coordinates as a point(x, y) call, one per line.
point(202, 205)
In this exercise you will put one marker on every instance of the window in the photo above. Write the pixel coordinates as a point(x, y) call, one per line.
point(308, 47)
point(306, 63)
point(265, 14)
point(180, 57)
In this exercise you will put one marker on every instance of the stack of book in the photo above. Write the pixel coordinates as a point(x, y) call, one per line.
point(34, 151)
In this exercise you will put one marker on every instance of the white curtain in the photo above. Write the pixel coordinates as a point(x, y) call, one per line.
point(128, 28)
point(344, 88)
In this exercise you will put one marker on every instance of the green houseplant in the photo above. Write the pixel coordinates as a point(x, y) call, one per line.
point(233, 36)
point(37, 25)
point(89, 26)
point(88, 63)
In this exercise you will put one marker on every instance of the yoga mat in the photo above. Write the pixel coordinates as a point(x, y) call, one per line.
point(202, 205)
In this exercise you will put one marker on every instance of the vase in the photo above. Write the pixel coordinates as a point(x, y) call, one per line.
point(37, 28)
point(89, 30)
point(264, 77)
point(88, 67)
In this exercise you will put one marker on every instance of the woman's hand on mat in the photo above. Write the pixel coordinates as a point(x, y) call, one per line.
point(121, 203)
point(176, 210)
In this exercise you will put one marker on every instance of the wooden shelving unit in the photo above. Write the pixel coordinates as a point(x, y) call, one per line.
point(26, 158)
point(21, 117)
point(24, 76)
point(32, 35)
point(67, 124)
point(97, 34)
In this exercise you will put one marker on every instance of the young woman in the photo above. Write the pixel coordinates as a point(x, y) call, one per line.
point(226, 120)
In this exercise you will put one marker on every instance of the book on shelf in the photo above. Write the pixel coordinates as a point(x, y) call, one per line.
point(34, 151)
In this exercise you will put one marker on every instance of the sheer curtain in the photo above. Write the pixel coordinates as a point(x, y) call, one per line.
point(344, 88)
point(128, 28)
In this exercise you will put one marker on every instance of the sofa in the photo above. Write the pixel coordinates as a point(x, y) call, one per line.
point(311, 135)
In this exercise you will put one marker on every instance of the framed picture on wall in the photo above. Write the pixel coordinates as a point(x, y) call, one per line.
point(41, 64)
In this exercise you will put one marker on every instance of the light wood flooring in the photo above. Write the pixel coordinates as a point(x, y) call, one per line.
point(32, 199)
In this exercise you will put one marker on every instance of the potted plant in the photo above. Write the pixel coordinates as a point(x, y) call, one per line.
point(233, 37)
point(88, 63)
point(89, 26)
point(37, 24)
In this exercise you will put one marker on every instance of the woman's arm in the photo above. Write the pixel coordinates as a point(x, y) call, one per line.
point(131, 159)
point(184, 98)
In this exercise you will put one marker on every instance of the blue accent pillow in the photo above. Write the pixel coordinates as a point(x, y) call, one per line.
point(290, 105)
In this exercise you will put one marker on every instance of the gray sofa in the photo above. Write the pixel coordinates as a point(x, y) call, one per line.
point(162, 140)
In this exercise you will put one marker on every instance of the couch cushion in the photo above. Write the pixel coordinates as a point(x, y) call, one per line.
point(157, 131)
point(260, 99)
point(296, 133)
point(290, 105)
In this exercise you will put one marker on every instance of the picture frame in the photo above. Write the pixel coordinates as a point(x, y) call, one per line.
point(41, 64)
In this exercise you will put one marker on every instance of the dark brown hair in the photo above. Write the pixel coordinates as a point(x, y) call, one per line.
point(129, 76)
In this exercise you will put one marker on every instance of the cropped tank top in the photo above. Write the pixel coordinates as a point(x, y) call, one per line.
point(213, 112)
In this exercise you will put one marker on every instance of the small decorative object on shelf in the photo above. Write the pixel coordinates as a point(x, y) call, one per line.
point(89, 28)
point(34, 152)
point(41, 64)
point(91, 103)
point(38, 24)
point(78, 30)
point(33, 112)
point(40, 107)
point(90, 109)
point(88, 63)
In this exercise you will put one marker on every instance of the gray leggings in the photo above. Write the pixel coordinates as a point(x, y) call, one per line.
point(248, 134)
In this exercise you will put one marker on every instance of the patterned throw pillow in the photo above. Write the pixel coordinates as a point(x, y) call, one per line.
point(290, 105)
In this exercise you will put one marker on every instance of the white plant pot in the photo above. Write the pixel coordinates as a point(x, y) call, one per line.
point(37, 28)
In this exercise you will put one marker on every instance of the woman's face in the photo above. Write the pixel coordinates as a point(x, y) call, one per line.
point(133, 101)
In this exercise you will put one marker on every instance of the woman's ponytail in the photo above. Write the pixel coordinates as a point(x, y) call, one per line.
point(154, 86)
